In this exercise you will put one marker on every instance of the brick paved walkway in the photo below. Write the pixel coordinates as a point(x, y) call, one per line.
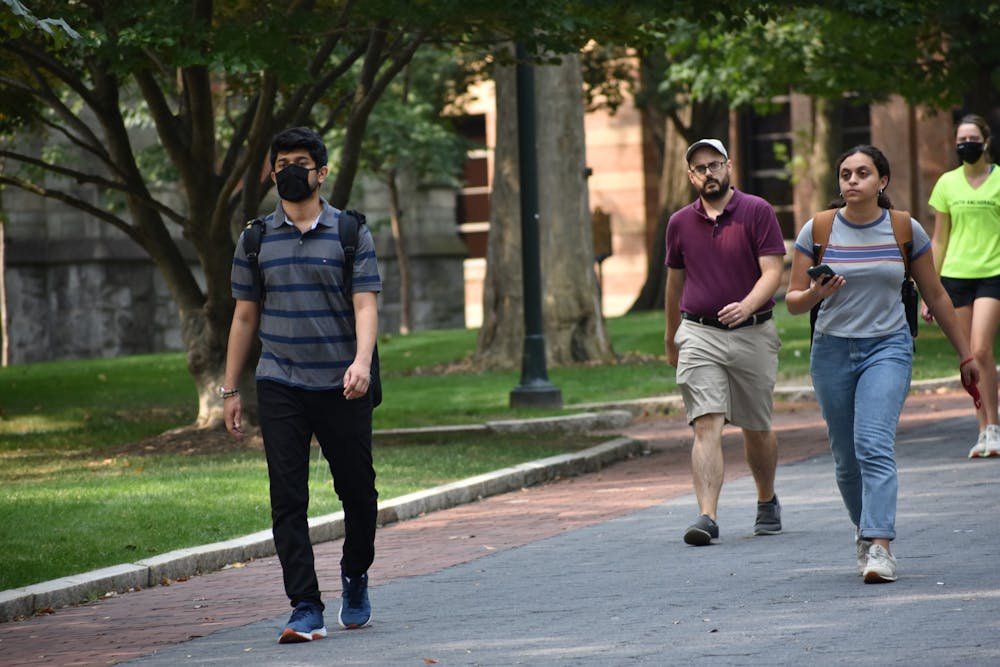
point(120, 628)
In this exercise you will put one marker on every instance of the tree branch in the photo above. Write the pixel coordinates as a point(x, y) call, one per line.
point(241, 132)
point(165, 121)
point(82, 134)
point(370, 88)
point(323, 84)
point(401, 60)
point(77, 203)
point(316, 66)
point(243, 165)
point(40, 58)
point(334, 114)
point(95, 149)
point(91, 179)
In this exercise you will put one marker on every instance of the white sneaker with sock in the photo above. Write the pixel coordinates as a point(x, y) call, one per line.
point(978, 450)
point(862, 546)
point(881, 567)
point(992, 440)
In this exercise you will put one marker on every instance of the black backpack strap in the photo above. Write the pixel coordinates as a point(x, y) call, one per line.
point(350, 221)
point(253, 236)
point(903, 231)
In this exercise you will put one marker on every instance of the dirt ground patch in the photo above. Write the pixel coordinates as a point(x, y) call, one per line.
point(188, 440)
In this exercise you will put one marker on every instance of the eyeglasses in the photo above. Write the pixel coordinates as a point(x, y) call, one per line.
point(714, 167)
point(305, 163)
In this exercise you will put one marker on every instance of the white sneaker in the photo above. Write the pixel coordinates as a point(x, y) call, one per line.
point(862, 545)
point(979, 449)
point(992, 440)
point(881, 566)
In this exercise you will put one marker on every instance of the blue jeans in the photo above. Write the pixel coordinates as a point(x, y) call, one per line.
point(861, 384)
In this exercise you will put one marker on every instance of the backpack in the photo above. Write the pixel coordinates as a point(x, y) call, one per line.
point(350, 221)
point(902, 230)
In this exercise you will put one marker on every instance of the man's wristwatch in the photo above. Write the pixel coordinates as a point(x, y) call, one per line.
point(226, 393)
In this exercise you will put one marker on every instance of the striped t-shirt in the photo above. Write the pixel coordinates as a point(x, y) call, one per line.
point(307, 323)
point(869, 303)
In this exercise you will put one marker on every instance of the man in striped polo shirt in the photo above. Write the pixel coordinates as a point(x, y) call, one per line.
point(312, 378)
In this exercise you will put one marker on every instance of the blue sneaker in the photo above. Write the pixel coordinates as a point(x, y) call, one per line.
point(355, 609)
point(305, 624)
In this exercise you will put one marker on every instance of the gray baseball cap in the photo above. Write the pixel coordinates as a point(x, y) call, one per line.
point(714, 144)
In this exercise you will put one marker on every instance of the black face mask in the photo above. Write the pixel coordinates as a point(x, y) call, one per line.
point(970, 151)
point(293, 183)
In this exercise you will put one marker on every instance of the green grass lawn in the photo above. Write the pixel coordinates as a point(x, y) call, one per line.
point(66, 514)
point(73, 499)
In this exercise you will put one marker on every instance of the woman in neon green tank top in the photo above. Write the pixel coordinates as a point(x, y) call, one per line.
point(966, 247)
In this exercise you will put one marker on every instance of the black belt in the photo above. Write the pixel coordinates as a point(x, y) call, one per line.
point(758, 318)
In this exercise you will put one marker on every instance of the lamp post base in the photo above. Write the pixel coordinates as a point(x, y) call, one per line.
point(536, 394)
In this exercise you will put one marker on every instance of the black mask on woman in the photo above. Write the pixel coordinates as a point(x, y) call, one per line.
point(293, 183)
point(970, 151)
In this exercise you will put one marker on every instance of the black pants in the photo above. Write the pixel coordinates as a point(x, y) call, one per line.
point(289, 417)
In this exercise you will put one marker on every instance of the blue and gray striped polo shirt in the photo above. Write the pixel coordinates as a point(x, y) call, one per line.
point(307, 322)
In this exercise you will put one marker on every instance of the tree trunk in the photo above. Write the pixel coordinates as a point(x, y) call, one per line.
point(501, 334)
point(402, 260)
point(573, 325)
point(4, 338)
point(818, 148)
point(653, 292)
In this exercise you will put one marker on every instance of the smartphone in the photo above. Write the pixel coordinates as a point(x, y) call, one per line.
point(817, 272)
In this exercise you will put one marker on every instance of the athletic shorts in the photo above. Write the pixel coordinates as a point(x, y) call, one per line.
point(963, 291)
point(728, 372)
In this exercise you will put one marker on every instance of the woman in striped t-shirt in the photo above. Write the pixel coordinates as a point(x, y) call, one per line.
point(862, 351)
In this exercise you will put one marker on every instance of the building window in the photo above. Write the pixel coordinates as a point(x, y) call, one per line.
point(766, 148)
point(473, 206)
point(767, 151)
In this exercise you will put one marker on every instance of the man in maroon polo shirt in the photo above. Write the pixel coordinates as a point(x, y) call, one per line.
point(724, 263)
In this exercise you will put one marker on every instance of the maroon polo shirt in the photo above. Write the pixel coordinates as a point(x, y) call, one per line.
point(720, 257)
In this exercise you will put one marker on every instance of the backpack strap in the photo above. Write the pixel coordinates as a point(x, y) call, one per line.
point(822, 226)
point(253, 236)
point(349, 223)
point(902, 229)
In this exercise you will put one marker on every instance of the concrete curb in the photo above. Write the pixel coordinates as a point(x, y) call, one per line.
point(607, 416)
point(806, 392)
point(150, 572)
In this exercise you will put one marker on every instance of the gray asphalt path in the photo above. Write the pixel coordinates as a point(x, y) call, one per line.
point(629, 592)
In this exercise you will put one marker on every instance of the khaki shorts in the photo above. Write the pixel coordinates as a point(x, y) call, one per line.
point(728, 372)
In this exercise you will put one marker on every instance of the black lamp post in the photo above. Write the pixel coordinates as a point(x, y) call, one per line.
point(535, 389)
